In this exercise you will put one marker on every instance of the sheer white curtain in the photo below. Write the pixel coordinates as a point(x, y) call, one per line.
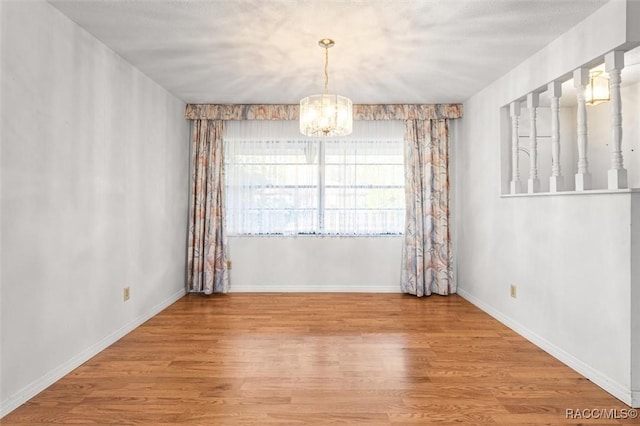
point(272, 183)
point(280, 182)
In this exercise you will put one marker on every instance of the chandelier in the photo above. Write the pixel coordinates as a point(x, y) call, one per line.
point(598, 89)
point(326, 114)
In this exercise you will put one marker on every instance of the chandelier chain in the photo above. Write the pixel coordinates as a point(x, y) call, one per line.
point(326, 70)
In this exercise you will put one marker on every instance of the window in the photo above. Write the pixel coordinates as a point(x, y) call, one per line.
point(282, 183)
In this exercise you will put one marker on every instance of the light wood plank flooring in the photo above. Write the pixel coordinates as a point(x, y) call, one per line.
point(302, 359)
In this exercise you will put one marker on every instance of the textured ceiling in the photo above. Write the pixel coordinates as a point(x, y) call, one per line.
point(265, 51)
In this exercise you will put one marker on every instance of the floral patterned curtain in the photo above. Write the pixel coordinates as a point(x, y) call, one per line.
point(207, 270)
point(426, 255)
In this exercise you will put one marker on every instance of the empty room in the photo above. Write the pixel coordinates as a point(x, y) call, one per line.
point(248, 212)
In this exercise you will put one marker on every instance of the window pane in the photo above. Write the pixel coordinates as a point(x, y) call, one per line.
point(364, 192)
point(273, 180)
point(364, 198)
point(364, 174)
point(272, 187)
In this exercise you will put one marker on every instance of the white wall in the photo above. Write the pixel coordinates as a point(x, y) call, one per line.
point(569, 256)
point(348, 264)
point(94, 195)
point(635, 299)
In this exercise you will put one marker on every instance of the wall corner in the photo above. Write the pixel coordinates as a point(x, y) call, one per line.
point(635, 298)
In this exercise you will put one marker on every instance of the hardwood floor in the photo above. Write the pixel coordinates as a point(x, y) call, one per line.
point(299, 359)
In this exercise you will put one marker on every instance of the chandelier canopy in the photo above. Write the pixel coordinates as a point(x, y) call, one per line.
point(326, 114)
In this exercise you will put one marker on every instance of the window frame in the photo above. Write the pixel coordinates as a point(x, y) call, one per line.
point(321, 200)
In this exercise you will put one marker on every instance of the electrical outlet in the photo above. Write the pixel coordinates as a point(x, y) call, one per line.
point(512, 291)
point(228, 264)
point(126, 294)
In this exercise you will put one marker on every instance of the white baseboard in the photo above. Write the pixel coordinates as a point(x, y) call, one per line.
point(38, 385)
point(614, 388)
point(635, 399)
point(313, 288)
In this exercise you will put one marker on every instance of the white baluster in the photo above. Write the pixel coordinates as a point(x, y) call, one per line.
point(580, 82)
point(556, 181)
point(514, 110)
point(533, 100)
point(617, 175)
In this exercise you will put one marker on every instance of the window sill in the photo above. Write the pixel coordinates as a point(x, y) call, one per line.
point(313, 236)
point(561, 193)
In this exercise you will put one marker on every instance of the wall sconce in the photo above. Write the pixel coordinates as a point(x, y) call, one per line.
point(598, 89)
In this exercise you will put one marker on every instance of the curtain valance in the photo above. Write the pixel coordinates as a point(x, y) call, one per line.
point(290, 112)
